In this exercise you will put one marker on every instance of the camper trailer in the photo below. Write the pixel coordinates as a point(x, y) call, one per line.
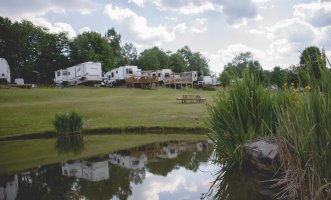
point(4, 71)
point(84, 73)
point(163, 75)
point(61, 77)
point(118, 75)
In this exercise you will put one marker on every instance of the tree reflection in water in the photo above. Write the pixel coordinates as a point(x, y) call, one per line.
point(87, 179)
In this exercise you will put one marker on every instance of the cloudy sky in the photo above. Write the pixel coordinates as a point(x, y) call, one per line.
point(275, 31)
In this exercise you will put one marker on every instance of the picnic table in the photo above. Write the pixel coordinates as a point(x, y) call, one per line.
point(188, 98)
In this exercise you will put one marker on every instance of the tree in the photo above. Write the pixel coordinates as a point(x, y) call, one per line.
point(277, 76)
point(194, 61)
point(129, 53)
point(311, 60)
point(176, 63)
point(114, 41)
point(153, 59)
point(237, 66)
point(90, 46)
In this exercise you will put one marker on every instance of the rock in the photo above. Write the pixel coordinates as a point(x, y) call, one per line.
point(261, 154)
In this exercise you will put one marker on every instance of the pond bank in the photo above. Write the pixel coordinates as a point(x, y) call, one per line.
point(107, 131)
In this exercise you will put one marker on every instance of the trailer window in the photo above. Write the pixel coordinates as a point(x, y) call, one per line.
point(58, 74)
point(116, 72)
point(112, 74)
point(167, 75)
point(129, 71)
point(64, 73)
point(159, 75)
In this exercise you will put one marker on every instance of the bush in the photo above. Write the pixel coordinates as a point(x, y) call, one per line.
point(68, 124)
point(305, 140)
point(69, 136)
point(244, 111)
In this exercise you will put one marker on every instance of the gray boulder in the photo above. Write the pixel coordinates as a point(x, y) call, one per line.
point(262, 154)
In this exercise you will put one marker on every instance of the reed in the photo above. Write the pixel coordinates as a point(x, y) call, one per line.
point(69, 133)
point(245, 111)
point(304, 135)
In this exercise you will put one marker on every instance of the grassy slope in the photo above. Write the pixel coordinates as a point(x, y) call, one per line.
point(25, 111)
point(20, 155)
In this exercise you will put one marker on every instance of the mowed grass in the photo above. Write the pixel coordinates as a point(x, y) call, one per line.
point(26, 111)
point(20, 155)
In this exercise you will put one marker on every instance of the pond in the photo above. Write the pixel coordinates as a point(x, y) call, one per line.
point(165, 170)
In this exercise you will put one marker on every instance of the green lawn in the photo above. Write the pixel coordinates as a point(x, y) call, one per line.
point(20, 155)
point(26, 111)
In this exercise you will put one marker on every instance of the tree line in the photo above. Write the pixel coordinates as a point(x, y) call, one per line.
point(33, 53)
point(295, 75)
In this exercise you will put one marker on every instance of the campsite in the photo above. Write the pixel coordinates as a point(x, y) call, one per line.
point(156, 100)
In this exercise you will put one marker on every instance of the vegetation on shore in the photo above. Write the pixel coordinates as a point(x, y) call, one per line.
point(23, 154)
point(299, 121)
point(32, 111)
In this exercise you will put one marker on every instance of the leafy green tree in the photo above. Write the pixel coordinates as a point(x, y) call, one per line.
point(311, 57)
point(153, 59)
point(277, 76)
point(129, 53)
point(90, 46)
point(237, 66)
point(194, 61)
point(114, 41)
point(176, 63)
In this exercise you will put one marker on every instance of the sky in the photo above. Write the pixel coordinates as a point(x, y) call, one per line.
point(275, 31)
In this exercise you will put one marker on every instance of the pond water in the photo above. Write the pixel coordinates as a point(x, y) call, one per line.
point(166, 170)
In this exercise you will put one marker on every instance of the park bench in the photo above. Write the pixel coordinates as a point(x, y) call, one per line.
point(187, 98)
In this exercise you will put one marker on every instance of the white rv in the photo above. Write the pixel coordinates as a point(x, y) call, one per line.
point(4, 71)
point(121, 73)
point(92, 171)
point(84, 73)
point(163, 75)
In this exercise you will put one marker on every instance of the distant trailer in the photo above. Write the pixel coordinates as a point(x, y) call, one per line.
point(162, 75)
point(118, 76)
point(4, 71)
point(184, 79)
point(82, 74)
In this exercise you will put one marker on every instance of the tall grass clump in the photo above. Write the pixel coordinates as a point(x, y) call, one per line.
point(243, 112)
point(304, 134)
point(69, 128)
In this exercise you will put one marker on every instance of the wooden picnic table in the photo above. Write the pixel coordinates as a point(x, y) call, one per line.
point(188, 98)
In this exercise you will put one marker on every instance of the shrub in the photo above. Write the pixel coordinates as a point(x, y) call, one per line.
point(305, 140)
point(244, 111)
point(69, 136)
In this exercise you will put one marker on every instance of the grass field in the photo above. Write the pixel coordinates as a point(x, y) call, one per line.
point(20, 155)
point(26, 111)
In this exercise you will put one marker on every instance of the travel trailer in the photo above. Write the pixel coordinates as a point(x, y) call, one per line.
point(91, 171)
point(84, 73)
point(117, 76)
point(4, 71)
point(163, 75)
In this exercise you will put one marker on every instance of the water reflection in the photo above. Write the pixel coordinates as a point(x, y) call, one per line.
point(66, 143)
point(167, 170)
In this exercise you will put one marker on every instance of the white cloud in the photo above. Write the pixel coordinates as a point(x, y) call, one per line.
point(181, 28)
point(256, 32)
point(199, 25)
point(318, 14)
point(55, 27)
point(224, 56)
point(294, 30)
point(84, 29)
point(21, 9)
point(136, 29)
point(140, 3)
